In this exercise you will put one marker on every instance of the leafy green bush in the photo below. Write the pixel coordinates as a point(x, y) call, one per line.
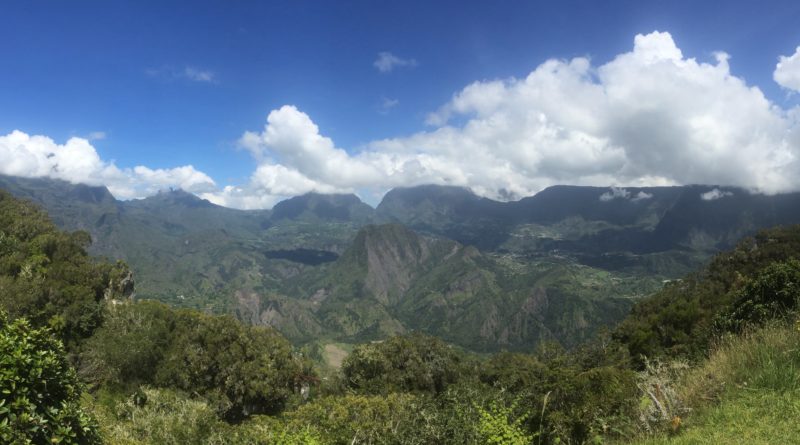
point(161, 416)
point(773, 293)
point(239, 370)
point(497, 427)
point(359, 419)
point(39, 391)
point(415, 362)
point(130, 346)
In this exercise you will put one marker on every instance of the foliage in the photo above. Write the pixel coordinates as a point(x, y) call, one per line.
point(358, 419)
point(751, 417)
point(772, 293)
point(660, 406)
point(747, 391)
point(496, 427)
point(240, 370)
point(161, 416)
point(39, 391)
point(678, 320)
point(128, 349)
point(265, 430)
point(415, 362)
point(47, 277)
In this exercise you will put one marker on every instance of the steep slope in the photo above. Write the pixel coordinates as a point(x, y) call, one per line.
point(188, 251)
point(601, 227)
point(553, 266)
point(392, 280)
point(453, 212)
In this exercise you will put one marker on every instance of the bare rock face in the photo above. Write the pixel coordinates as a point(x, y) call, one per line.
point(394, 256)
point(248, 306)
point(120, 288)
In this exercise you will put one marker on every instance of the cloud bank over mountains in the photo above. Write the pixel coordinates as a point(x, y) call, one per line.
point(77, 161)
point(650, 116)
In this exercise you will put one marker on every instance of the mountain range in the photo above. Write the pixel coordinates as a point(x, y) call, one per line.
point(483, 274)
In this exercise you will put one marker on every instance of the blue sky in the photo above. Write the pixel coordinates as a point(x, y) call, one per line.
point(170, 84)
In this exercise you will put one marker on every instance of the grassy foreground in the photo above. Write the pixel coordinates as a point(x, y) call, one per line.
point(748, 391)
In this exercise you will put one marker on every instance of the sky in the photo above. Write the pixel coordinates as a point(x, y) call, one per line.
point(246, 103)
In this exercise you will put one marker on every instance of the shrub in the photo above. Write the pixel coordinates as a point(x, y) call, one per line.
point(39, 391)
point(415, 362)
point(161, 416)
point(772, 293)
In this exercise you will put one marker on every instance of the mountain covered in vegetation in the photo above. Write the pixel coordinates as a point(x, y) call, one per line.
point(483, 274)
point(709, 358)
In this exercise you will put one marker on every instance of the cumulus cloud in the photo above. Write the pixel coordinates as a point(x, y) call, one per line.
point(77, 161)
point(651, 116)
point(387, 62)
point(714, 194)
point(787, 72)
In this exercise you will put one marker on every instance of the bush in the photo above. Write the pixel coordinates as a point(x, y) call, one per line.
point(773, 293)
point(241, 370)
point(358, 419)
point(160, 416)
point(415, 362)
point(39, 391)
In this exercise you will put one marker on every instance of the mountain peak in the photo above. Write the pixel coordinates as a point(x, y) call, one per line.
point(178, 197)
point(324, 207)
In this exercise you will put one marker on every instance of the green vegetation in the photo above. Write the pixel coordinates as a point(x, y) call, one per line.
point(748, 390)
point(47, 277)
point(39, 391)
point(238, 370)
point(557, 266)
point(680, 319)
point(713, 357)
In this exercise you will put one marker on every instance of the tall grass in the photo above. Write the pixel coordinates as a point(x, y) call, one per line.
point(747, 391)
point(767, 358)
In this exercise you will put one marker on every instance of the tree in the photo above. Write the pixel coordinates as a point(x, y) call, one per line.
point(241, 370)
point(47, 277)
point(414, 362)
point(773, 293)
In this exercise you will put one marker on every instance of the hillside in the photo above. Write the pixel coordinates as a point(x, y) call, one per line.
point(484, 274)
point(722, 364)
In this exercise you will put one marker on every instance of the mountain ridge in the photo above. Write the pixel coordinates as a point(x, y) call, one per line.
point(480, 273)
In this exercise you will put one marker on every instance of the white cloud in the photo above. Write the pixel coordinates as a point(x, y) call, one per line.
point(648, 117)
point(714, 194)
point(787, 72)
point(651, 116)
point(615, 193)
point(387, 104)
point(198, 75)
point(621, 193)
point(96, 135)
point(191, 73)
point(77, 161)
point(387, 62)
